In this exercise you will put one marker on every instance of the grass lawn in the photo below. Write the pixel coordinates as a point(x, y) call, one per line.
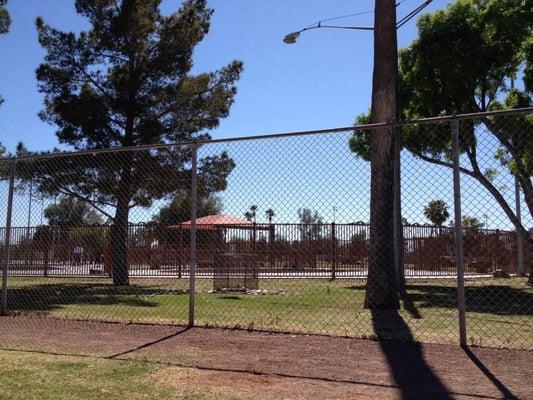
point(28, 376)
point(499, 311)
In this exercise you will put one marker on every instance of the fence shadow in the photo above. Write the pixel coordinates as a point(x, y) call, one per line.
point(48, 297)
point(506, 393)
point(414, 377)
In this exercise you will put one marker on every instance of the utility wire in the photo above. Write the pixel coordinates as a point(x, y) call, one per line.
point(341, 17)
point(412, 14)
point(349, 15)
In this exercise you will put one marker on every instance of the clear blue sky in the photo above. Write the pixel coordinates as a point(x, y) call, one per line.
point(322, 81)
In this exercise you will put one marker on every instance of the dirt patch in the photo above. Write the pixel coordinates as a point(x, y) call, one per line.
point(258, 365)
point(265, 387)
point(62, 336)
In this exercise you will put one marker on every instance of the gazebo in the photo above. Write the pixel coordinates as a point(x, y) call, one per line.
point(233, 269)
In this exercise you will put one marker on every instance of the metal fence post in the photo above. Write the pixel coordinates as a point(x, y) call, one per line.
point(192, 260)
point(519, 239)
point(397, 215)
point(333, 252)
point(459, 259)
point(7, 241)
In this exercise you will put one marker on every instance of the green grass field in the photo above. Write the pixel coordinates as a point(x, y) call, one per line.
point(32, 376)
point(499, 311)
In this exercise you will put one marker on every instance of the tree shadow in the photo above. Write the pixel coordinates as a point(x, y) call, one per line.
point(492, 299)
point(498, 299)
point(43, 297)
point(230, 297)
point(409, 305)
point(414, 377)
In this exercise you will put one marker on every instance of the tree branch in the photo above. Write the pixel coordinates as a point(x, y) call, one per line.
point(69, 192)
point(522, 176)
point(200, 93)
point(492, 190)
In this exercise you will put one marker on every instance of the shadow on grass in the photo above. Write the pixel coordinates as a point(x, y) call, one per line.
point(230, 297)
point(409, 305)
point(492, 299)
point(49, 297)
point(414, 377)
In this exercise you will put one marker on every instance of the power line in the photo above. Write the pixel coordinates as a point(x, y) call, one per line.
point(412, 14)
point(349, 15)
point(341, 17)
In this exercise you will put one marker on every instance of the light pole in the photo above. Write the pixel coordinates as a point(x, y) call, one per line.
point(292, 37)
point(387, 241)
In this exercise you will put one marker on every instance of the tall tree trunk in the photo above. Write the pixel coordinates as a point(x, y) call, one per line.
point(119, 230)
point(528, 246)
point(382, 283)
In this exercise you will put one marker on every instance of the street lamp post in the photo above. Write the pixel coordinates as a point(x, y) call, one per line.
point(293, 36)
point(383, 38)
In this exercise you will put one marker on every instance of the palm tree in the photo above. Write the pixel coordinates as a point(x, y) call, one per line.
point(270, 214)
point(253, 210)
point(437, 212)
point(248, 215)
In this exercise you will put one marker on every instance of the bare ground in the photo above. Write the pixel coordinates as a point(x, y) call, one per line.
point(254, 365)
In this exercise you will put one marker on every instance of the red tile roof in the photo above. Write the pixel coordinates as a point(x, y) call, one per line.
point(219, 219)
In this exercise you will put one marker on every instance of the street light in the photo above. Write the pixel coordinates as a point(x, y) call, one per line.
point(292, 37)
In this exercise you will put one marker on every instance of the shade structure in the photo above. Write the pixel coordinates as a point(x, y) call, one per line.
point(220, 221)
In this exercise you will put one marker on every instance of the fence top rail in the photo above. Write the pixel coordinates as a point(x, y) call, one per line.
point(258, 226)
point(198, 143)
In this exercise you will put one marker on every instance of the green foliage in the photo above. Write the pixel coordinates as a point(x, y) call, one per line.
point(311, 224)
point(71, 212)
point(516, 151)
point(528, 70)
point(482, 40)
point(5, 22)
point(437, 212)
point(360, 141)
point(90, 238)
point(179, 209)
point(270, 214)
point(251, 214)
point(127, 82)
point(471, 225)
point(464, 60)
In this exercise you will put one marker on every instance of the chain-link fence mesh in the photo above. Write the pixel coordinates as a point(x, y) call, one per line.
point(282, 231)
point(497, 217)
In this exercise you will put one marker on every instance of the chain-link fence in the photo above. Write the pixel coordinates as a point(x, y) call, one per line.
point(274, 233)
